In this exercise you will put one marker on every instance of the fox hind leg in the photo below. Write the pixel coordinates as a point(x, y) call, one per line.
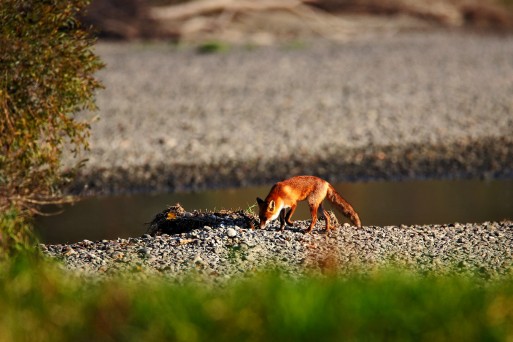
point(313, 212)
point(326, 217)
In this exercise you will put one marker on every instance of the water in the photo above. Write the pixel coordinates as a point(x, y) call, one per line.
point(378, 203)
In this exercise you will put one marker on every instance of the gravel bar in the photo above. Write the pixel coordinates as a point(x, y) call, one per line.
point(405, 106)
point(226, 251)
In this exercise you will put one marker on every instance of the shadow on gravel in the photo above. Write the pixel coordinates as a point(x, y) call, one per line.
point(176, 220)
point(490, 157)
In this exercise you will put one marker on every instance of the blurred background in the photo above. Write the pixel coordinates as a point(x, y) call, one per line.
point(268, 21)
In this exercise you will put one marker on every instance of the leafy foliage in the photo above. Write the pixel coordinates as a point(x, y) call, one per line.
point(16, 233)
point(46, 76)
point(39, 300)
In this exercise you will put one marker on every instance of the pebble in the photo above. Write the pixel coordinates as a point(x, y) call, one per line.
point(231, 232)
point(198, 260)
point(144, 251)
point(117, 255)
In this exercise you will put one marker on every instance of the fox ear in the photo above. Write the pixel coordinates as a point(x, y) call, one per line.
point(260, 201)
point(271, 205)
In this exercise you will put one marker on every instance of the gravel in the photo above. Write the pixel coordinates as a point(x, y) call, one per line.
point(406, 106)
point(228, 251)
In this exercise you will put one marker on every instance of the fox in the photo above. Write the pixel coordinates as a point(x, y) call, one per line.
point(286, 194)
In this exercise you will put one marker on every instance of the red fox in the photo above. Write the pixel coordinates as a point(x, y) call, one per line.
point(287, 193)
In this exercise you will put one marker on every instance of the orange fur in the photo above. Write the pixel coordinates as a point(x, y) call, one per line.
point(288, 193)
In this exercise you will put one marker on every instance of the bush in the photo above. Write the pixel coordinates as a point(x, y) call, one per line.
point(16, 233)
point(46, 68)
point(41, 302)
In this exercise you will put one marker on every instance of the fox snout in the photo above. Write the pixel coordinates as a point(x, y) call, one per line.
point(264, 212)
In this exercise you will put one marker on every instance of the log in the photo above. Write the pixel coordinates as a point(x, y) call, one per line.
point(205, 7)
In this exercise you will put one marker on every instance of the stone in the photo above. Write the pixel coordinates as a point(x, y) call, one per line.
point(230, 232)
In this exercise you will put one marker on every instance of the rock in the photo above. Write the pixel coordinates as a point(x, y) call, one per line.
point(230, 232)
point(198, 260)
point(117, 255)
point(67, 250)
point(144, 252)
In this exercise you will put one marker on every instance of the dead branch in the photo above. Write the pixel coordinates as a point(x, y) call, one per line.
point(204, 7)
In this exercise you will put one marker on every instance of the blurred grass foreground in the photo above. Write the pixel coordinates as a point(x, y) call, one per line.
point(41, 302)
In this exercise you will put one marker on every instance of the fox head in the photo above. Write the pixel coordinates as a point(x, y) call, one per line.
point(267, 211)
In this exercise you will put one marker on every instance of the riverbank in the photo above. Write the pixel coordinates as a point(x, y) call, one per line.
point(406, 106)
point(224, 247)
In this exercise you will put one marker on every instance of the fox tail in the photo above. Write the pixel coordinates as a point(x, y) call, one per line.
point(346, 208)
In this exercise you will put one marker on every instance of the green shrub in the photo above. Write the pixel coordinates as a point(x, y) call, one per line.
point(46, 75)
point(212, 47)
point(40, 302)
point(15, 233)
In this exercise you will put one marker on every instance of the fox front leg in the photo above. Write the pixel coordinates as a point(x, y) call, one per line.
point(282, 219)
point(289, 215)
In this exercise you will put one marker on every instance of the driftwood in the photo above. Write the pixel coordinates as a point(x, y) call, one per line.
point(205, 7)
point(484, 13)
point(450, 13)
point(175, 220)
point(135, 19)
point(214, 15)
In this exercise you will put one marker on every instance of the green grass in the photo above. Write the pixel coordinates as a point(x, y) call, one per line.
point(212, 47)
point(40, 302)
